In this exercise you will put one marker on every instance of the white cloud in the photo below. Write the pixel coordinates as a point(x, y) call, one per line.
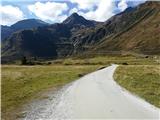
point(86, 4)
point(122, 5)
point(10, 15)
point(105, 9)
point(137, 2)
point(74, 10)
point(52, 11)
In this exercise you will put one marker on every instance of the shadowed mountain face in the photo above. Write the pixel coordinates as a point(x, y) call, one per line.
point(21, 25)
point(48, 41)
point(5, 32)
point(135, 29)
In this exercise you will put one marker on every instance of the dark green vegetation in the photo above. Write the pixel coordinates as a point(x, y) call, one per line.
point(142, 80)
point(20, 84)
point(135, 30)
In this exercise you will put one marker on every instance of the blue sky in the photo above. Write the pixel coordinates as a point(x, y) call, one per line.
point(53, 11)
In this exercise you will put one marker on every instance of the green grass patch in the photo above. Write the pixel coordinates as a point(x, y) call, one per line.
point(103, 60)
point(20, 84)
point(142, 80)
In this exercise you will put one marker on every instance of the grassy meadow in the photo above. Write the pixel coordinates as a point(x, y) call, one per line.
point(21, 84)
point(142, 80)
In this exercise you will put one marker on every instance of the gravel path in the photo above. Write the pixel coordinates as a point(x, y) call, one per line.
point(94, 96)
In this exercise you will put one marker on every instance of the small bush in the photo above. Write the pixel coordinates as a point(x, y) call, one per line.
point(81, 74)
point(124, 63)
point(49, 63)
point(101, 68)
point(24, 60)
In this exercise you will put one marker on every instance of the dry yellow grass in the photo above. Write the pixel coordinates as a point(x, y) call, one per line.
point(142, 80)
point(20, 84)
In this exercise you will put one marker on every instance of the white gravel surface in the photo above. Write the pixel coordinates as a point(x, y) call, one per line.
point(94, 96)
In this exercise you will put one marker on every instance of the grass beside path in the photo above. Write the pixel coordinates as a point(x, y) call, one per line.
point(22, 83)
point(142, 80)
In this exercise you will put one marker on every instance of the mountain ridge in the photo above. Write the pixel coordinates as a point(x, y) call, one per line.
point(78, 19)
point(6, 31)
point(73, 37)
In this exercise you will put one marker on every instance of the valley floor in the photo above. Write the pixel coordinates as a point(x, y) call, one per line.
point(23, 84)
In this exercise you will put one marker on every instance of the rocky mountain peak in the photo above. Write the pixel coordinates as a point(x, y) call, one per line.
point(76, 19)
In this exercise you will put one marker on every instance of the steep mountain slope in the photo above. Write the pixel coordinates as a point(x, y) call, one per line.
point(38, 42)
point(47, 41)
point(117, 25)
point(5, 31)
point(23, 24)
point(141, 37)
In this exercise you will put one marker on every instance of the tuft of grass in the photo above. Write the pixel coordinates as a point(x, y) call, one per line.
point(142, 80)
point(20, 84)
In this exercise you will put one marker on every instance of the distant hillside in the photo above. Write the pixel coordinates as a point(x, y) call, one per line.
point(135, 29)
point(21, 25)
point(48, 41)
point(143, 36)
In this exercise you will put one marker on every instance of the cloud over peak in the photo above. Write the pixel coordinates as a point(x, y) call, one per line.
point(85, 4)
point(104, 10)
point(122, 5)
point(52, 11)
point(10, 14)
